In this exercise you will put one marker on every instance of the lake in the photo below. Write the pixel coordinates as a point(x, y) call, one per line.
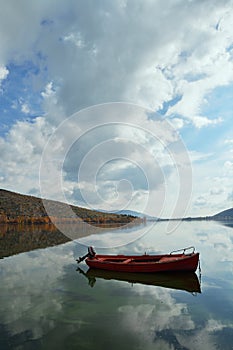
point(46, 303)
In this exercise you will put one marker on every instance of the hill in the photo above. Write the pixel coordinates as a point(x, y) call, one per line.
point(24, 209)
point(137, 214)
point(224, 215)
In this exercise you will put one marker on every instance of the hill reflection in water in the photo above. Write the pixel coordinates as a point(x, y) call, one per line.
point(15, 239)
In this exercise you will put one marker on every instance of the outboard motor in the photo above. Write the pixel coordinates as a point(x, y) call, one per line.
point(91, 253)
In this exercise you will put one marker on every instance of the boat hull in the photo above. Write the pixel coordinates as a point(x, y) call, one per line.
point(145, 263)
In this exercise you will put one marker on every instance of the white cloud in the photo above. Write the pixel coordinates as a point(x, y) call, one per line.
point(118, 55)
point(25, 108)
point(200, 122)
point(200, 201)
point(125, 52)
point(216, 191)
point(3, 73)
point(114, 51)
point(92, 155)
point(212, 183)
point(48, 91)
point(75, 38)
point(228, 165)
point(229, 142)
point(21, 153)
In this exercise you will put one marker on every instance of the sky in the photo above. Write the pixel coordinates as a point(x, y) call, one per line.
point(119, 104)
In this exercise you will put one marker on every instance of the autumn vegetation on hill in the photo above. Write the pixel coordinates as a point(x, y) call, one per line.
point(23, 209)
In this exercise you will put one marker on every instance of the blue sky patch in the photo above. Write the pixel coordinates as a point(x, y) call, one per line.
point(20, 96)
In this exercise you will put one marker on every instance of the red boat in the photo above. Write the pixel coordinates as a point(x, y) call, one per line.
point(143, 263)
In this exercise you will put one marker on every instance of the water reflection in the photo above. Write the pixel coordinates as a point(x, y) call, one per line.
point(227, 223)
point(16, 238)
point(46, 304)
point(187, 281)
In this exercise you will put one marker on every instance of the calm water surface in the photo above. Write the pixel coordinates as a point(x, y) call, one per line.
point(45, 303)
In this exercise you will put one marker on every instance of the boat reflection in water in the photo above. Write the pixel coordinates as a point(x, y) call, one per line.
point(186, 281)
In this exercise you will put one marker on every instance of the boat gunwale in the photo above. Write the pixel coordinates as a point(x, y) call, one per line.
point(135, 259)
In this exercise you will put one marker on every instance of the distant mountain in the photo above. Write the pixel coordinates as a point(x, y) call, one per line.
point(24, 209)
point(224, 215)
point(136, 213)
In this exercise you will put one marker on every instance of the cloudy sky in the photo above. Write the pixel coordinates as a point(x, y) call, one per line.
point(165, 149)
